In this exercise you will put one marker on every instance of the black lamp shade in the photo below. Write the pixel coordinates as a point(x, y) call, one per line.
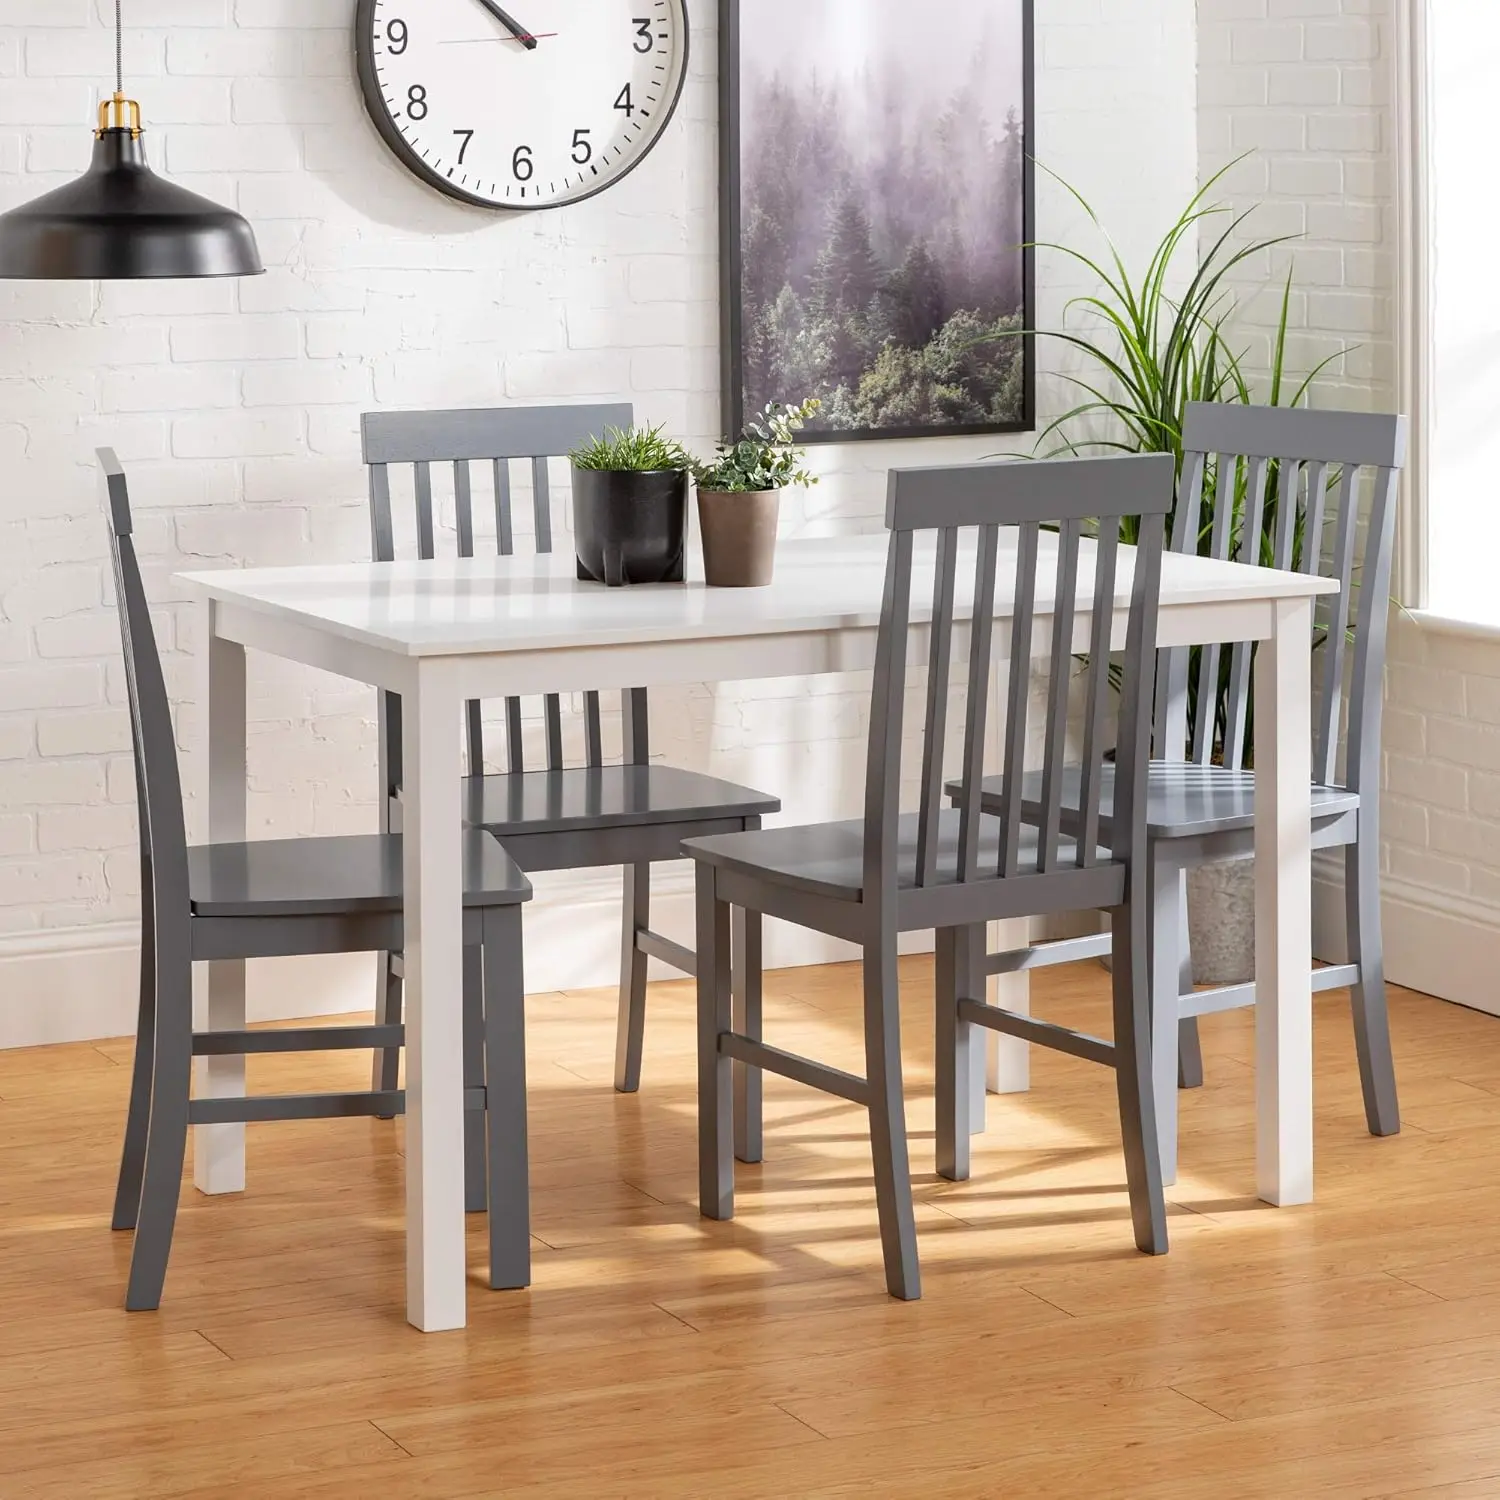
point(121, 222)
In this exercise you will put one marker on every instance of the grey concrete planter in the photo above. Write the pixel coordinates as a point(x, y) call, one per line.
point(1221, 922)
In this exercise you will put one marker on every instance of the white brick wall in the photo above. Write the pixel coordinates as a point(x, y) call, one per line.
point(1304, 86)
point(235, 405)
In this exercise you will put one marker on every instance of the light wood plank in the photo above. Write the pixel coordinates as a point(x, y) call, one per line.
point(1348, 1348)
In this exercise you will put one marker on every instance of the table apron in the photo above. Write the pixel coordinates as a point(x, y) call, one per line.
point(596, 666)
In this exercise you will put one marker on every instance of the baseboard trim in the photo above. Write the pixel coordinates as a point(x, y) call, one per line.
point(1443, 945)
point(81, 984)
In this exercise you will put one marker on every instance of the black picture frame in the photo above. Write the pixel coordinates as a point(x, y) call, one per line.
point(731, 257)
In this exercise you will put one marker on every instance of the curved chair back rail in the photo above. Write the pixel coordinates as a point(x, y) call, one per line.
point(496, 438)
point(1322, 486)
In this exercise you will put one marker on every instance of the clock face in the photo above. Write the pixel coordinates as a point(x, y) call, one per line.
point(521, 104)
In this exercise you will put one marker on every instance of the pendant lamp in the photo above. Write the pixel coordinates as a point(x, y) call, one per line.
point(120, 221)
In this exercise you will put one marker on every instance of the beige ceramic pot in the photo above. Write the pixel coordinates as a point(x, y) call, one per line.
point(739, 537)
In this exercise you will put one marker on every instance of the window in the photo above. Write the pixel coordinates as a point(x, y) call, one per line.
point(1463, 455)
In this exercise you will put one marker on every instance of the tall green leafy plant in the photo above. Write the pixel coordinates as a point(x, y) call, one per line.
point(1153, 349)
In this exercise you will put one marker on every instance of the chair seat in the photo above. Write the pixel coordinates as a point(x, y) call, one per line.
point(827, 859)
point(1182, 800)
point(334, 876)
point(600, 797)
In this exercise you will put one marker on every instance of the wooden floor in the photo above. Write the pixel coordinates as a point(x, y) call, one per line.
point(1347, 1349)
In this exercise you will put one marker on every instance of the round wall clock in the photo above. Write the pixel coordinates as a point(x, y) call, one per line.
point(522, 105)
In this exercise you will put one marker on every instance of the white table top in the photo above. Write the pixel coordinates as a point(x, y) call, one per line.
point(456, 607)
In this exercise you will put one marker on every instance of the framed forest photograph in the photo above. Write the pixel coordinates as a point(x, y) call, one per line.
point(876, 208)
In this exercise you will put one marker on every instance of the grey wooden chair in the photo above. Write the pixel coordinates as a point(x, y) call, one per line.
point(277, 899)
point(556, 817)
point(955, 870)
point(1298, 473)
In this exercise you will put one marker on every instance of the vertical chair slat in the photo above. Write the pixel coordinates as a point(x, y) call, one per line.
point(887, 706)
point(505, 537)
point(1326, 743)
point(1243, 652)
point(505, 540)
point(1134, 740)
point(382, 531)
point(463, 507)
point(383, 549)
point(939, 664)
point(1058, 682)
point(1288, 482)
point(1317, 515)
point(981, 638)
point(426, 538)
point(636, 727)
point(1205, 719)
point(1106, 561)
point(1362, 762)
point(463, 516)
point(593, 730)
point(552, 711)
point(1172, 676)
point(1017, 695)
point(541, 502)
point(515, 741)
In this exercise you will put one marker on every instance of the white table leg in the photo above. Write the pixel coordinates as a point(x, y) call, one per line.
point(219, 988)
point(431, 770)
point(1283, 909)
point(1009, 1058)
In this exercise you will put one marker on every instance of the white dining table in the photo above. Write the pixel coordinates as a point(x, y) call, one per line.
point(439, 633)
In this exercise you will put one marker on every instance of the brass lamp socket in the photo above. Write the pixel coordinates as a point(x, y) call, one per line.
point(119, 113)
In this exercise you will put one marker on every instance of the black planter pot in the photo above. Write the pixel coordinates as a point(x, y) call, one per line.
point(630, 527)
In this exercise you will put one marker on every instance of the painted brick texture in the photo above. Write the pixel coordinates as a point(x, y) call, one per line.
point(235, 405)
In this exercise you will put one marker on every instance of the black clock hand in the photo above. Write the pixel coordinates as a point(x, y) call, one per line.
point(521, 34)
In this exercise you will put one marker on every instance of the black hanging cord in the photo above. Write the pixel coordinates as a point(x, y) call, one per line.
point(119, 51)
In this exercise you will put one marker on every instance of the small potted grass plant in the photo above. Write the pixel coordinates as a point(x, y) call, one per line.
point(630, 507)
point(739, 496)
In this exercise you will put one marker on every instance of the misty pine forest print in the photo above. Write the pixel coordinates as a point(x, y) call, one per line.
point(881, 214)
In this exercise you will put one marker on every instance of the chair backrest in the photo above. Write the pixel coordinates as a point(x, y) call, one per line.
point(1082, 503)
point(158, 785)
point(1293, 478)
point(494, 437)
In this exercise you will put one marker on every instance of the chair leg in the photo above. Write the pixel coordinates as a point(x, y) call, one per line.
point(1372, 1026)
point(1133, 1073)
point(166, 1131)
point(898, 1225)
point(955, 1043)
point(385, 1071)
point(715, 1075)
point(630, 1028)
point(505, 1100)
point(1167, 1022)
point(133, 1154)
point(474, 1075)
point(748, 1012)
point(1189, 1044)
